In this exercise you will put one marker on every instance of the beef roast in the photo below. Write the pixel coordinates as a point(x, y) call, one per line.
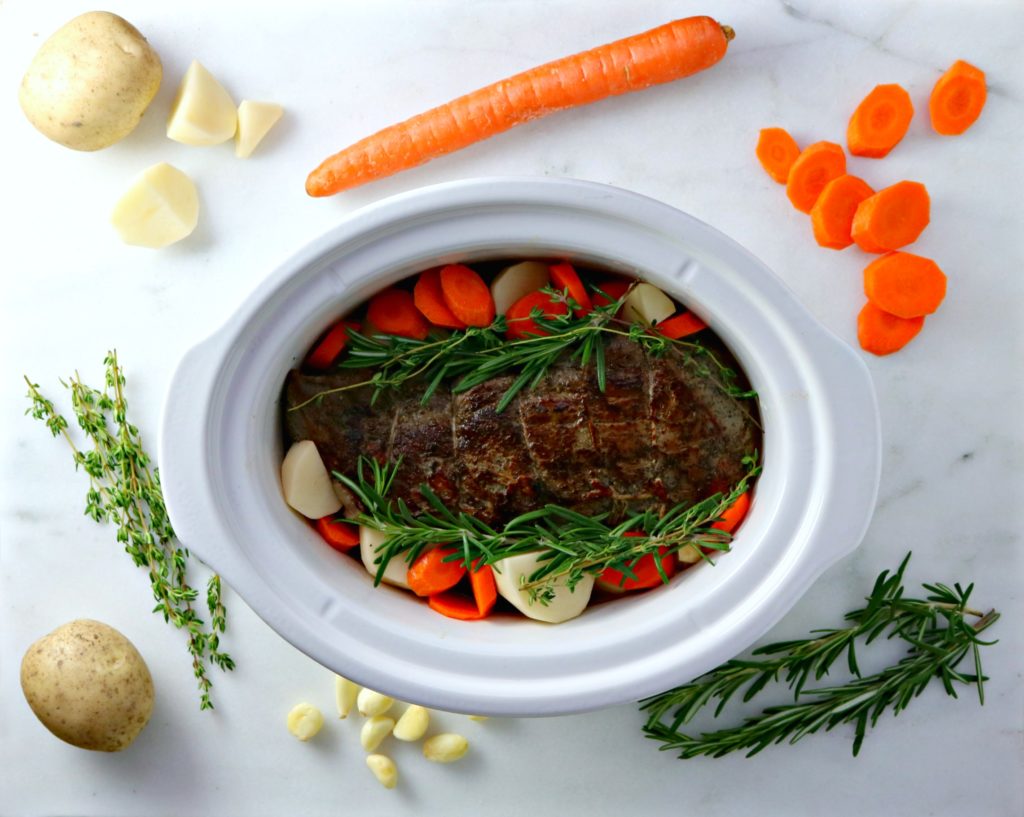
point(660, 433)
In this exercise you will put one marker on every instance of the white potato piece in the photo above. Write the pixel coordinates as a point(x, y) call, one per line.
point(306, 483)
point(88, 685)
point(384, 769)
point(90, 82)
point(370, 540)
point(159, 208)
point(513, 282)
point(648, 304)
point(203, 112)
point(255, 119)
point(509, 574)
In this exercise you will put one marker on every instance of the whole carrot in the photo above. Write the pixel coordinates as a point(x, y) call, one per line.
point(663, 54)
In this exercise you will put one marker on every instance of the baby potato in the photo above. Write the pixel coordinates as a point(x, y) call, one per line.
point(88, 685)
point(90, 82)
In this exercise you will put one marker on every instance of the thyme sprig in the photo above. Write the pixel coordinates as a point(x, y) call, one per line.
point(936, 628)
point(124, 489)
point(572, 544)
point(468, 357)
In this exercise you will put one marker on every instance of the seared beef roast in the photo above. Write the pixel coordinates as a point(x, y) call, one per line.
point(659, 434)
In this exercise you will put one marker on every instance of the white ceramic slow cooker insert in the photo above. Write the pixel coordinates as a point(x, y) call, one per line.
point(221, 449)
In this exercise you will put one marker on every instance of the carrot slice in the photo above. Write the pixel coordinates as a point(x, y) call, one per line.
point(341, 536)
point(521, 325)
point(328, 349)
point(430, 573)
point(613, 288)
point(429, 299)
point(882, 333)
point(904, 284)
point(735, 514)
point(879, 122)
point(815, 167)
point(663, 54)
point(957, 99)
point(564, 278)
point(892, 218)
point(776, 151)
point(645, 570)
point(393, 312)
point(466, 295)
point(455, 605)
point(485, 589)
point(681, 325)
point(832, 213)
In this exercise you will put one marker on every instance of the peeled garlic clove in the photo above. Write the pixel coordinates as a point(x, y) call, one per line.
point(306, 483)
point(160, 207)
point(509, 575)
point(648, 304)
point(372, 703)
point(304, 721)
point(384, 769)
point(445, 748)
point(345, 692)
point(413, 723)
point(203, 112)
point(255, 119)
point(375, 730)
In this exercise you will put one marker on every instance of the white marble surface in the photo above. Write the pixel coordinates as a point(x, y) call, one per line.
point(952, 483)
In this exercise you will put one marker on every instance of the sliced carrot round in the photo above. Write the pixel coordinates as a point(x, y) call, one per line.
point(467, 295)
point(734, 515)
point(394, 313)
point(341, 536)
point(880, 121)
point(485, 589)
point(904, 284)
point(681, 325)
point(957, 99)
point(613, 288)
point(645, 572)
point(892, 218)
point(454, 605)
point(882, 333)
point(518, 317)
point(832, 213)
point(776, 151)
point(429, 300)
point(430, 573)
point(815, 167)
point(564, 278)
point(332, 344)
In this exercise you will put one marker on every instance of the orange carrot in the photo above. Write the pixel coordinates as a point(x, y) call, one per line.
point(341, 536)
point(521, 325)
point(455, 605)
point(892, 218)
point(663, 54)
point(881, 333)
point(776, 151)
point(430, 573)
point(734, 514)
point(880, 121)
point(815, 167)
point(328, 349)
point(466, 295)
point(565, 279)
point(613, 288)
point(681, 325)
point(832, 213)
point(904, 284)
point(645, 571)
point(485, 590)
point(429, 299)
point(957, 99)
point(392, 312)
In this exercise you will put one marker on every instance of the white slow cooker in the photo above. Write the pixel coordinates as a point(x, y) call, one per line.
point(221, 449)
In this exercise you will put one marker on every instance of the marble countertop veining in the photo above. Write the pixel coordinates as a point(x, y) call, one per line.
point(953, 481)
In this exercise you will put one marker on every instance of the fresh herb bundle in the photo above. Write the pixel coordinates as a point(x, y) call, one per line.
point(469, 357)
point(936, 628)
point(572, 544)
point(125, 490)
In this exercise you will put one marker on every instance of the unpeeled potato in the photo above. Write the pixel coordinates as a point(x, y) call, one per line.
point(90, 82)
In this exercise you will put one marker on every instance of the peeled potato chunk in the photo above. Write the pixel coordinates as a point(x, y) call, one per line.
point(255, 119)
point(370, 540)
point(306, 483)
point(160, 207)
point(648, 304)
point(513, 282)
point(203, 112)
point(509, 575)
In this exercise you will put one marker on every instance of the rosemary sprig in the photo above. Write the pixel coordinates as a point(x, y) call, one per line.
point(125, 490)
point(469, 357)
point(936, 628)
point(572, 544)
